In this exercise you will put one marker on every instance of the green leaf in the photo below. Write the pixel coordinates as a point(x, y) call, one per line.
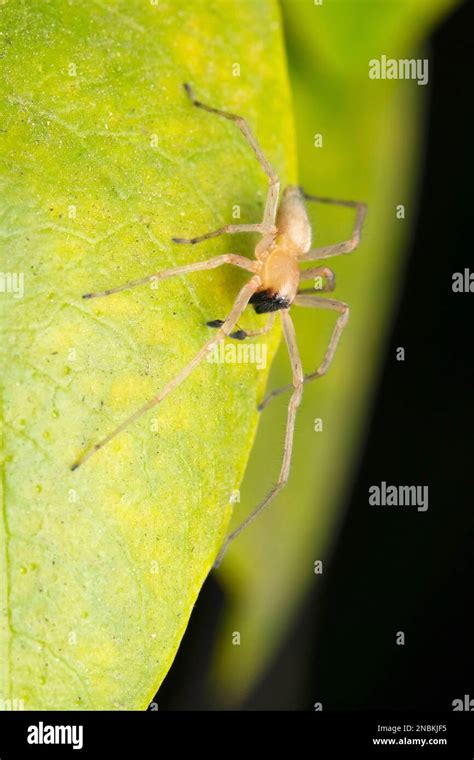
point(104, 160)
point(371, 150)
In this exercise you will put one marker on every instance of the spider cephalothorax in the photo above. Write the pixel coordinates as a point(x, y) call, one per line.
point(274, 286)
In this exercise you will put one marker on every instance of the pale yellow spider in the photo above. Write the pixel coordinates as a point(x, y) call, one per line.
point(274, 286)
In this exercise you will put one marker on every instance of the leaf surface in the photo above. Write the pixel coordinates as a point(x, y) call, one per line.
point(103, 160)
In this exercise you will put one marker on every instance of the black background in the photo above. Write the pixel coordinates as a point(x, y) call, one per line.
point(394, 571)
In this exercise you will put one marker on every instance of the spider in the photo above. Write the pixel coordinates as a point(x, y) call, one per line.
point(274, 287)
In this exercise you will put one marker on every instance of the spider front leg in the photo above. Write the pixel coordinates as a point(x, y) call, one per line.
point(325, 272)
point(243, 334)
point(347, 246)
point(315, 302)
point(290, 337)
point(271, 204)
point(231, 229)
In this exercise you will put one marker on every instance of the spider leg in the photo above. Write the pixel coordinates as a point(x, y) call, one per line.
point(243, 334)
point(227, 229)
point(328, 274)
point(317, 303)
point(338, 248)
point(240, 303)
point(290, 337)
point(216, 261)
point(263, 330)
point(271, 203)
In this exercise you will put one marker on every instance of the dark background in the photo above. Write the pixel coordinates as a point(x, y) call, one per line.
point(392, 571)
